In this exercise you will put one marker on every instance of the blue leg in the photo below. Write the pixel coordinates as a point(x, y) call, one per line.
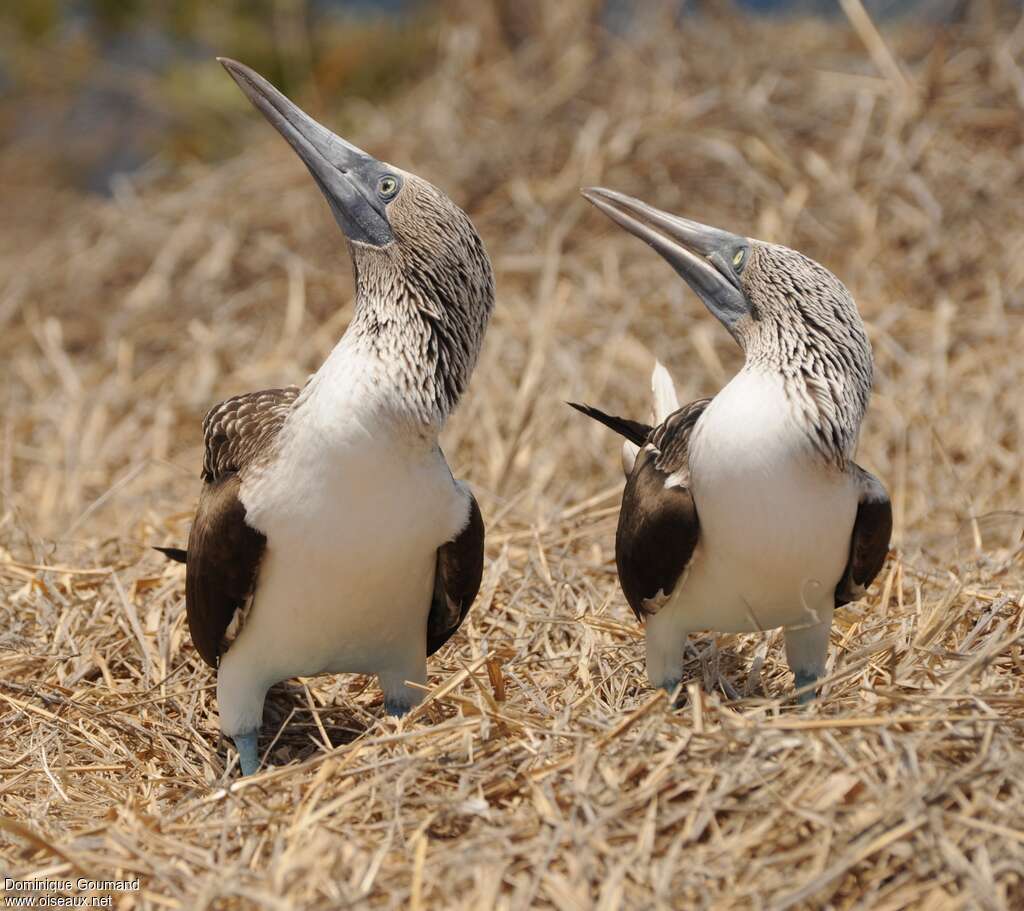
point(397, 706)
point(666, 641)
point(670, 685)
point(399, 697)
point(805, 679)
point(248, 752)
point(807, 653)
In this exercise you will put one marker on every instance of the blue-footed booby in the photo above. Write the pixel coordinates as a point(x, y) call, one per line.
point(330, 535)
point(745, 511)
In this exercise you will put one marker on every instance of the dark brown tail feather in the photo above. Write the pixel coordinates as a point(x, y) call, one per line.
point(177, 554)
point(633, 431)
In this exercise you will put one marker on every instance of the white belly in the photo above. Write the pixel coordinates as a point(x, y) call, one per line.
point(353, 524)
point(775, 520)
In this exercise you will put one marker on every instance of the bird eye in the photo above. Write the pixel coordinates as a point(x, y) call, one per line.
point(738, 258)
point(387, 187)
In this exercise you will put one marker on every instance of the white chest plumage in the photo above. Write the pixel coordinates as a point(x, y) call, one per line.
point(353, 507)
point(775, 519)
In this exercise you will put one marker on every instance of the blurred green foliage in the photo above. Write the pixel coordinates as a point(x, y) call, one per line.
point(102, 86)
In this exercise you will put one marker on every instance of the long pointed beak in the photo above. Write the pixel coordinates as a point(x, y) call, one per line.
point(346, 175)
point(705, 257)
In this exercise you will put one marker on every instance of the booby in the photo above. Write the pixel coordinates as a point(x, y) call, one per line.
point(745, 511)
point(330, 535)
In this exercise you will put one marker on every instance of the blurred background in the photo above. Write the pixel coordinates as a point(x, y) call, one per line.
point(94, 89)
point(161, 248)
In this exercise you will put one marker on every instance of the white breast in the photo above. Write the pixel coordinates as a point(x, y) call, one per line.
point(775, 520)
point(353, 508)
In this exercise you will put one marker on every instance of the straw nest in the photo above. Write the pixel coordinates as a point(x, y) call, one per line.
point(542, 771)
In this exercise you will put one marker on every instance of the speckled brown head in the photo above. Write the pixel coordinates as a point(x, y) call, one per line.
point(424, 284)
point(788, 313)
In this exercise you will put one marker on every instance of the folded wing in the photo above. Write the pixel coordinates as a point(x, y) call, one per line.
point(869, 543)
point(224, 551)
point(658, 523)
point(460, 567)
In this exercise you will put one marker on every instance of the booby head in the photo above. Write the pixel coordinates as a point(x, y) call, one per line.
point(424, 283)
point(787, 312)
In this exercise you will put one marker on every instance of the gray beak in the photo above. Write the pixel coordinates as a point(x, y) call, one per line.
point(708, 259)
point(346, 175)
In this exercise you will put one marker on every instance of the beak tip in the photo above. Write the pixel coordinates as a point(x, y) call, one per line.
point(234, 69)
point(601, 197)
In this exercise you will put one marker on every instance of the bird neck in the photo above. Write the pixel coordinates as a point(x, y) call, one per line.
point(407, 367)
point(826, 376)
point(420, 319)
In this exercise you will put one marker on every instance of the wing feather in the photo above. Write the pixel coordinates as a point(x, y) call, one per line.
point(241, 428)
point(869, 543)
point(224, 551)
point(460, 567)
point(658, 526)
point(224, 554)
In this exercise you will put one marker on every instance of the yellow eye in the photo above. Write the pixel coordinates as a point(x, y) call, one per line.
point(388, 186)
point(738, 258)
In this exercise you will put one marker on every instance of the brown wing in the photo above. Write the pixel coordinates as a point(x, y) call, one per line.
point(224, 551)
point(658, 524)
point(460, 567)
point(223, 558)
point(869, 543)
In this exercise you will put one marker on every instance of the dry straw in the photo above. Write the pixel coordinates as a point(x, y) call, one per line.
point(542, 771)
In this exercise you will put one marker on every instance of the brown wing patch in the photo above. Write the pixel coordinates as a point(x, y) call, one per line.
point(224, 552)
point(658, 524)
point(869, 543)
point(223, 559)
point(657, 534)
point(460, 567)
point(242, 427)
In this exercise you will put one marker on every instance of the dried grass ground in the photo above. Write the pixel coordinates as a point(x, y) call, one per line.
point(542, 772)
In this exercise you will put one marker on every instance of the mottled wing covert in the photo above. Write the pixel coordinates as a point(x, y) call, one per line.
point(242, 426)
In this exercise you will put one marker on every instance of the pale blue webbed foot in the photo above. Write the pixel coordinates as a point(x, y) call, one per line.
point(670, 686)
point(400, 687)
point(397, 706)
point(802, 679)
point(248, 752)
